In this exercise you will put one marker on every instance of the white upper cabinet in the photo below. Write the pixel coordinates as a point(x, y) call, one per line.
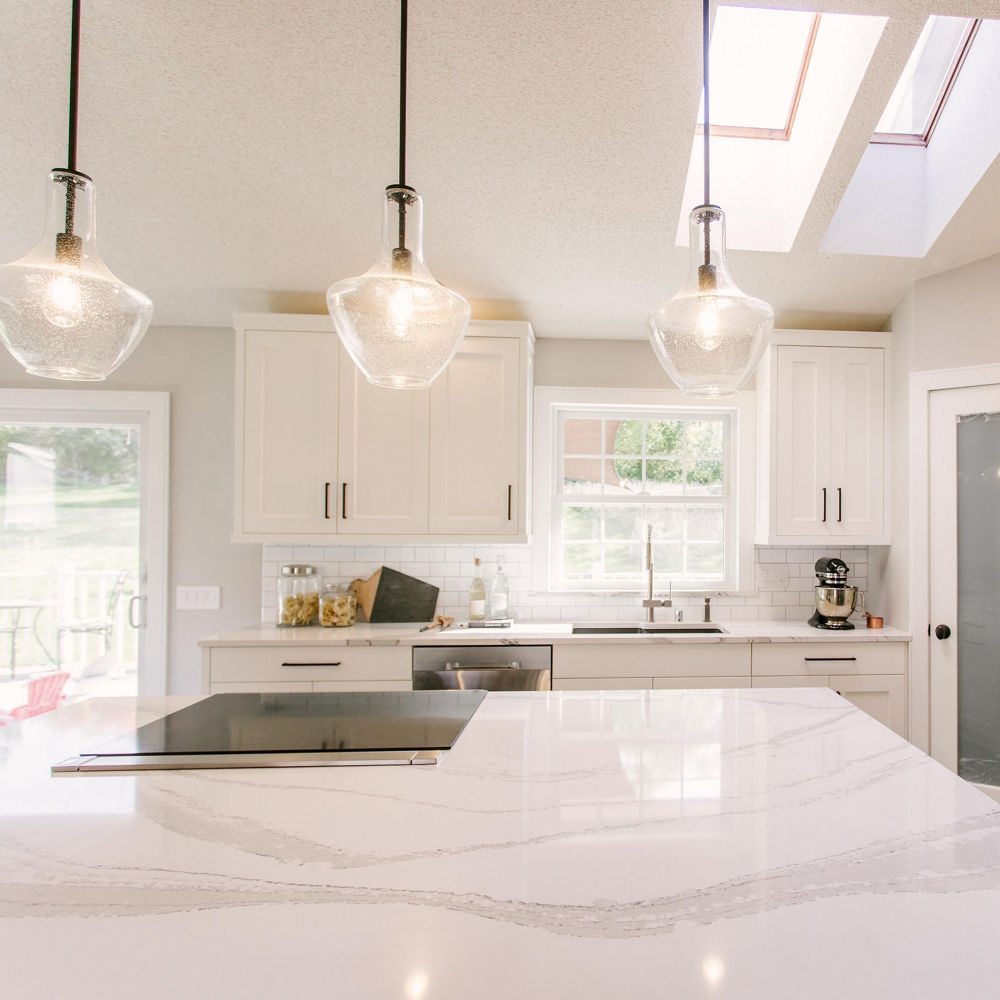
point(382, 484)
point(822, 477)
point(477, 451)
point(320, 451)
point(286, 448)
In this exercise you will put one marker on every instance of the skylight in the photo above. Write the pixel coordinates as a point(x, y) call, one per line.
point(916, 103)
point(809, 70)
point(758, 61)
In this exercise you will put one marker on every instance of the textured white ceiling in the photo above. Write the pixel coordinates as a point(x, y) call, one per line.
point(240, 148)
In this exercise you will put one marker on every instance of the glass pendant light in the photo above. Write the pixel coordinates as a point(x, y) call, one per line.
point(710, 335)
point(399, 325)
point(63, 314)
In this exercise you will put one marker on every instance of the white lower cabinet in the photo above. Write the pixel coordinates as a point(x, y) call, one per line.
point(630, 666)
point(871, 676)
point(305, 668)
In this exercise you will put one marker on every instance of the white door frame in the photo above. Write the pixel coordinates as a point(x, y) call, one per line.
point(922, 384)
point(153, 408)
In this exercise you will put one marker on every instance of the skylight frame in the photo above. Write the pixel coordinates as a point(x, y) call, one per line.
point(778, 134)
point(947, 85)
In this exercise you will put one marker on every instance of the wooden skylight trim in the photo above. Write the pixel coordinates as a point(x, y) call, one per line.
point(779, 134)
point(922, 139)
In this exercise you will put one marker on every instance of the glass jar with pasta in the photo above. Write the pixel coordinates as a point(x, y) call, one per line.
point(338, 605)
point(298, 595)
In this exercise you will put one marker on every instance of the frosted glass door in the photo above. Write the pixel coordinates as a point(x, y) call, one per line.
point(978, 516)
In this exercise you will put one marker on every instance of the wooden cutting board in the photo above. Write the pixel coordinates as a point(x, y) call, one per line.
point(390, 596)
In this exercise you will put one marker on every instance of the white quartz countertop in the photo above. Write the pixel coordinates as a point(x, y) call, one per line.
point(630, 844)
point(549, 632)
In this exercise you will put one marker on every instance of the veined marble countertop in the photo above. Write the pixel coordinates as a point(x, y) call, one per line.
point(366, 634)
point(630, 844)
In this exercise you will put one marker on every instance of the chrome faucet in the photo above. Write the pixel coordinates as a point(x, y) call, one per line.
point(651, 604)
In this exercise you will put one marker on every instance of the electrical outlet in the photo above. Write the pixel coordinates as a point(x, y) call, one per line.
point(198, 599)
point(774, 575)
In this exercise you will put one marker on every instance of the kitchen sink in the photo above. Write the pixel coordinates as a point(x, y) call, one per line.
point(654, 628)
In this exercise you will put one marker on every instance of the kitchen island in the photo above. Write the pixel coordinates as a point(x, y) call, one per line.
point(669, 843)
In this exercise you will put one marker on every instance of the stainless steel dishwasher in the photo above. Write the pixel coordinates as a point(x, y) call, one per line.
point(493, 667)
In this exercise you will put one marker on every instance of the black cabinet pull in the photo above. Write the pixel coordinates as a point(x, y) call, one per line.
point(830, 659)
point(343, 501)
point(290, 664)
point(824, 503)
point(326, 500)
point(840, 504)
point(510, 490)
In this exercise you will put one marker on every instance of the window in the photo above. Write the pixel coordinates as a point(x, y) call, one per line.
point(927, 80)
point(617, 470)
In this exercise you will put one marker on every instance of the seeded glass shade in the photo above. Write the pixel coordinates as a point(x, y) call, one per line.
point(400, 326)
point(710, 335)
point(63, 314)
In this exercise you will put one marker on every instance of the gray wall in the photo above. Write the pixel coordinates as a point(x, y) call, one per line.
point(195, 366)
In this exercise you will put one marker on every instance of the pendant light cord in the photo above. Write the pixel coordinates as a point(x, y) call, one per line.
point(708, 119)
point(74, 91)
point(402, 120)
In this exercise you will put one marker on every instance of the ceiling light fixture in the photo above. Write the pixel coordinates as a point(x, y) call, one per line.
point(396, 321)
point(63, 314)
point(710, 335)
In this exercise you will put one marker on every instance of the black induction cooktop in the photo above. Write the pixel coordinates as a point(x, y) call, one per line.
point(300, 729)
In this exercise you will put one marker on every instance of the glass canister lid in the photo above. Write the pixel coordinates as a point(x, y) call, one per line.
point(298, 569)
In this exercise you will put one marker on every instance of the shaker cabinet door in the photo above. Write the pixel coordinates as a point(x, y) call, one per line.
point(477, 443)
point(287, 443)
point(382, 482)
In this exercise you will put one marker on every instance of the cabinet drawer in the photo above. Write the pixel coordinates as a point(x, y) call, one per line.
point(603, 684)
point(700, 683)
point(823, 658)
point(659, 659)
point(294, 664)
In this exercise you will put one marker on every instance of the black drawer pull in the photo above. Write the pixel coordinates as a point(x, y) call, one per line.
point(840, 504)
point(830, 659)
point(824, 503)
point(288, 664)
point(326, 500)
point(343, 501)
point(510, 490)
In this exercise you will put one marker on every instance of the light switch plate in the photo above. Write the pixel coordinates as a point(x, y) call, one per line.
point(198, 599)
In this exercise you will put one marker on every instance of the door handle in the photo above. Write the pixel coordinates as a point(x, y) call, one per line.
point(942, 631)
point(133, 619)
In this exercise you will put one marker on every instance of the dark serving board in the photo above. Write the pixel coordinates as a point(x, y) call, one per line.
point(401, 598)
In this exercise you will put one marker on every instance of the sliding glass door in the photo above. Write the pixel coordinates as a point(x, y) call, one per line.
point(83, 505)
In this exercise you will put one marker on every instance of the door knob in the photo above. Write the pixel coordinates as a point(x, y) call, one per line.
point(942, 631)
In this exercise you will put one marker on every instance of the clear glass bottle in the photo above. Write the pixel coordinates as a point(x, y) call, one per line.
point(499, 592)
point(298, 595)
point(338, 605)
point(477, 594)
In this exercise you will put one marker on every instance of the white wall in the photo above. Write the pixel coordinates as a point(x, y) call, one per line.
point(948, 320)
point(195, 365)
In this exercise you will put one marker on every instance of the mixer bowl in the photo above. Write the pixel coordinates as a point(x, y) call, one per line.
point(836, 602)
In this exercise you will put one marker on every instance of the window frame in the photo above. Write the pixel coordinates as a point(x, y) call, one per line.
point(944, 92)
point(550, 401)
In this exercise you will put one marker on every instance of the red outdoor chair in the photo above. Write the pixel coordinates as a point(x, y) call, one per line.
point(44, 694)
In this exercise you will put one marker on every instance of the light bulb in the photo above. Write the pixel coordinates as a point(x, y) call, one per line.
point(707, 331)
point(63, 314)
point(62, 303)
point(710, 335)
point(399, 325)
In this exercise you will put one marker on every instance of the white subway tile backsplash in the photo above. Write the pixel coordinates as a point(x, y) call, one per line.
point(784, 580)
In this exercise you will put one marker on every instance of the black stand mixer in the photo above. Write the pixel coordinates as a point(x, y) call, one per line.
point(835, 601)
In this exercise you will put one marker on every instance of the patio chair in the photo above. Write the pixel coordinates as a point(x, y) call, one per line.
point(102, 626)
point(44, 694)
